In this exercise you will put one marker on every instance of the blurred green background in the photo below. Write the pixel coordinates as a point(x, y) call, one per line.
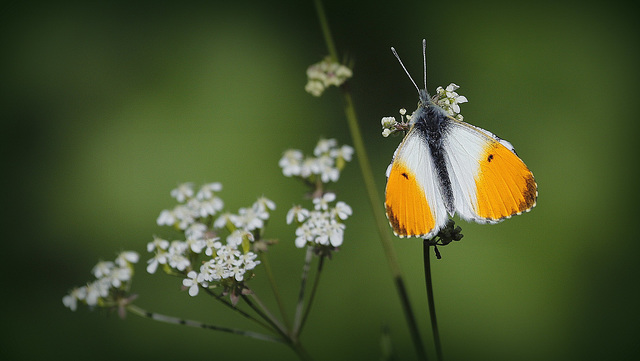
point(107, 106)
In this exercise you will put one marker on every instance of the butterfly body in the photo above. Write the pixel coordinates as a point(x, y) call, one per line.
point(445, 167)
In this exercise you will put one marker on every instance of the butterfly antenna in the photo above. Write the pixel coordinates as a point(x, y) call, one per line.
point(424, 61)
point(393, 50)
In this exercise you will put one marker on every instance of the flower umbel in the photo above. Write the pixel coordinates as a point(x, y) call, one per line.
point(447, 99)
point(111, 286)
point(325, 166)
point(324, 74)
point(201, 258)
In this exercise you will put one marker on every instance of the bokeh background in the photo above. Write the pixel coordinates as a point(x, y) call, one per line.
point(107, 106)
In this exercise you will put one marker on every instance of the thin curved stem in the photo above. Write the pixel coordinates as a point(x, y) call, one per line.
point(267, 266)
point(264, 312)
point(178, 321)
point(372, 192)
point(316, 281)
point(430, 298)
point(246, 315)
point(297, 325)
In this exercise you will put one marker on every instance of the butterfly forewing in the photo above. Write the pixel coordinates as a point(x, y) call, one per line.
point(414, 205)
point(489, 181)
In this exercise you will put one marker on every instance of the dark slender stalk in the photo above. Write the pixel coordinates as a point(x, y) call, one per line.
point(430, 299)
point(297, 323)
point(274, 288)
point(316, 281)
point(264, 312)
point(178, 321)
point(228, 304)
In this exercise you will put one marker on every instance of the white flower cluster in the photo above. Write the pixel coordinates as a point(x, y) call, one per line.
point(322, 226)
point(191, 205)
point(111, 278)
point(225, 264)
point(329, 160)
point(325, 74)
point(390, 125)
point(448, 100)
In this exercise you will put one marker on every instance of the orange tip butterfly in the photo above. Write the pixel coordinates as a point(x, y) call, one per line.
point(445, 166)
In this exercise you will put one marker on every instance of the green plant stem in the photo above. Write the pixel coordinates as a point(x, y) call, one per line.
point(267, 266)
point(326, 31)
point(178, 321)
point(264, 312)
point(297, 323)
point(316, 281)
point(228, 304)
point(300, 351)
point(372, 192)
point(382, 224)
point(430, 298)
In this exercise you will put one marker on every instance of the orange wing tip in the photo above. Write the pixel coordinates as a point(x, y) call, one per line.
point(527, 210)
point(398, 231)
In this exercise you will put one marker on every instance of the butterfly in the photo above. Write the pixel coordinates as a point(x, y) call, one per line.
point(445, 166)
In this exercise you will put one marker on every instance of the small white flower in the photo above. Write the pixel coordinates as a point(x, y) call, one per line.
point(192, 283)
point(449, 100)
point(386, 132)
point(235, 238)
point(185, 216)
point(314, 87)
point(159, 258)
point(209, 207)
point(102, 269)
point(248, 260)
point(345, 152)
point(452, 88)
point(157, 244)
point(298, 214)
point(335, 232)
point(195, 245)
point(342, 210)
point(249, 218)
point(310, 166)
point(304, 234)
point(182, 192)
point(176, 258)
point(291, 162)
point(120, 275)
point(195, 231)
point(96, 290)
point(322, 203)
point(206, 190)
point(324, 74)
point(236, 271)
point(166, 218)
point(126, 258)
point(388, 122)
point(178, 262)
point(266, 204)
point(76, 294)
point(324, 146)
point(224, 219)
point(212, 244)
